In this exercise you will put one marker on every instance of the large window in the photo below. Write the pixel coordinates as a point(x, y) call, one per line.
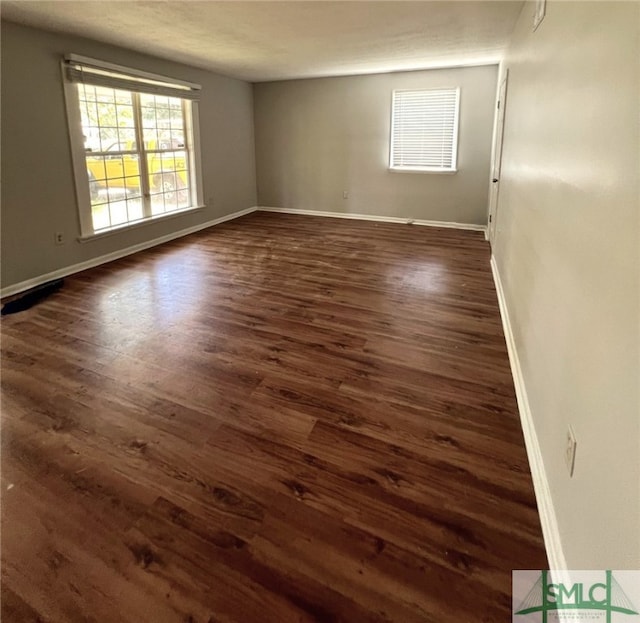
point(134, 145)
point(424, 130)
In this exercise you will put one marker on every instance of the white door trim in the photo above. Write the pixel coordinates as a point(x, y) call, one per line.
point(496, 158)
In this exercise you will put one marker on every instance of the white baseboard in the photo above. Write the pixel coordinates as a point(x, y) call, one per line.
point(109, 257)
point(550, 532)
point(383, 219)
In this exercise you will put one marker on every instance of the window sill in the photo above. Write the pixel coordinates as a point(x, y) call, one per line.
point(137, 224)
point(422, 170)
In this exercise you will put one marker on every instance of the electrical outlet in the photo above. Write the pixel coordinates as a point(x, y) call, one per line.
point(59, 237)
point(570, 450)
point(345, 194)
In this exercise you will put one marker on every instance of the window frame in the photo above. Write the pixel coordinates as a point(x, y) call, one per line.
point(78, 152)
point(426, 169)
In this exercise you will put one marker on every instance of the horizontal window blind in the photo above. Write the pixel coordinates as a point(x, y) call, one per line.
point(424, 129)
point(105, 75)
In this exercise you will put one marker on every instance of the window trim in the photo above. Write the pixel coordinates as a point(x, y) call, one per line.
point(143, 222)
point(78, 153)
point(426, 169)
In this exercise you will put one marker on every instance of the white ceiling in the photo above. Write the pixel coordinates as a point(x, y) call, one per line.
point(260, 41)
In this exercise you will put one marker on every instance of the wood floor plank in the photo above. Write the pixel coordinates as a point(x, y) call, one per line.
point(279, 419)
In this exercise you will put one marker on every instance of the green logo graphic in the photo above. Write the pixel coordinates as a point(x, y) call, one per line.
point(547, 596)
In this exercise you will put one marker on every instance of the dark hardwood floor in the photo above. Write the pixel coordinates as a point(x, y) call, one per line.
point(281, 419)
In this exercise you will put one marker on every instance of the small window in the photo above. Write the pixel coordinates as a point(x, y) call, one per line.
point(424, 130)
point(133, 142)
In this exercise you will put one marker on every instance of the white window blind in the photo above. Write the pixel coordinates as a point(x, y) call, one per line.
point(85, 70)
point(424, 130)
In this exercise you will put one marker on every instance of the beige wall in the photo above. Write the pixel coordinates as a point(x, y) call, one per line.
point(38, 192)
point(567, 252)
point(318, 138)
